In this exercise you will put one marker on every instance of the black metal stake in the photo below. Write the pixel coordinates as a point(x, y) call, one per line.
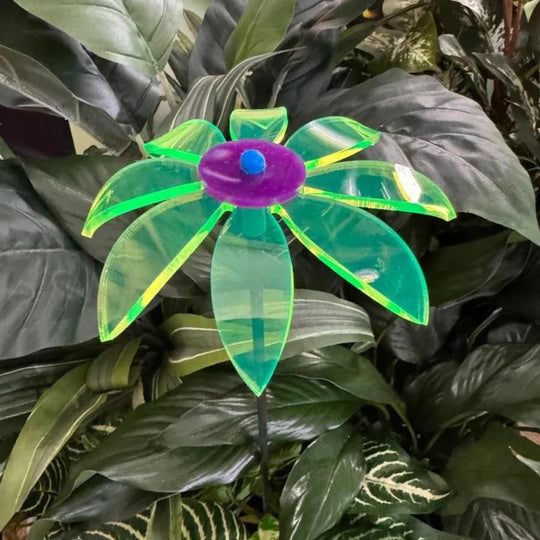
point(263, 449)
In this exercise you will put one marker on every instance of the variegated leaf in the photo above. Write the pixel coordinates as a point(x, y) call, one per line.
point(394, 484)
point(209, 520)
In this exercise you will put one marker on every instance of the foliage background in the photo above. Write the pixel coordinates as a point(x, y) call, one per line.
point(379, 429)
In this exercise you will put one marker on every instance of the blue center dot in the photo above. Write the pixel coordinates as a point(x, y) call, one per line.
point(252, 161)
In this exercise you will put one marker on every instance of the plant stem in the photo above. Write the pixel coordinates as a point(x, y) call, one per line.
point(170, 94)
point(263, 449)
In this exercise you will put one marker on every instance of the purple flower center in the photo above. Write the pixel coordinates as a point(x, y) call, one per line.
point(252, 173)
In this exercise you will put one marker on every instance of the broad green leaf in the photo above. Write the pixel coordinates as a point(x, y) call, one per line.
point(386, 528)
point(57, 414)
point(384, 268)
point(201, 433)
point(464, 271)
point(167, 519)
point(252, 293)
point(5, 150)
point(417, 52)
point(143, 33)
point(261, 29)
point(112, 369)
point(34, 59)
point(48, 285)
point(322, 484)
point(319, 320)
point(448, 138)
point(347, 370)
point(395, 484)
point(496, 520)
point(489, 468)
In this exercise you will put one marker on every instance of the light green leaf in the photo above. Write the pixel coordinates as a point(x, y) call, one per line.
point(54, 419)
point(112, 369)
point(268, 529)
point(261, 29)
point(143, 35)
point(319, 320)
point(395, 484)
point(322, 484)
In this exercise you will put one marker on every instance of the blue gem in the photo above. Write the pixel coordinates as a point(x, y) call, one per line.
point(252, 162)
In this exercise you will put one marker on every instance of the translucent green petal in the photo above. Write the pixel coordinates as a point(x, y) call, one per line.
point(148, 254)
point(382, 185)
point(142, 183)
point(363, 250)
point(187, 142)
point(252, 293)
point(267, 124)
point(327, 140)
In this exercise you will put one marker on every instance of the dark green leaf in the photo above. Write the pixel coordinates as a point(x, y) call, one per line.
point(319, 320)
point(445, 136)
point(322, 484)
point(488, 468)
point(54, 419)
point(260, 29)
point(395, 484)
point(34, 59)
point(495, 520)
point(143, 32)
point(48, 285)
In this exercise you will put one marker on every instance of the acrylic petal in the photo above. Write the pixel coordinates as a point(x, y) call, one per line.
point(147, 255)
point(267, 124)
point(252, 293)
point(381, 185)
point(187, 142)
point(142, 183)
point(330, 139)
point(363, 250)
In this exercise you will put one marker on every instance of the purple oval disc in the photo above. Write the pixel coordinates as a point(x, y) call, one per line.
point(221, 171)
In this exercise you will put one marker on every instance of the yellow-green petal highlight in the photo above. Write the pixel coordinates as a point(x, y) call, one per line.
point(140, 184)
point(267, 124)
point(363, 250)
point(380, 185)
point(187, 142)
point(252, 293)
point(330, 139)
point(148, 254)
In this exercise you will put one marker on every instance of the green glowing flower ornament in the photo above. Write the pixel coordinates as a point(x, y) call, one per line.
point(196, 176)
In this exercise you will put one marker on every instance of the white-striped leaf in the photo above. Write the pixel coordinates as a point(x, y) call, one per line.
point(209, 520)
point(394, 484)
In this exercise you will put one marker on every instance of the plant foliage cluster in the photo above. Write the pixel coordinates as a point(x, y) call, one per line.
point(378, 429)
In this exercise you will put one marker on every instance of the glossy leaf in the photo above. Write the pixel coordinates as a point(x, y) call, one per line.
point(319, 320)
point(267, 124)
point(144, 33)
point(363, 250)
point(447, 137)
point(488, 467)
point(112, 369)
point(261, 29)
point(187, 142)
point(395, 484)
point(155, 245)
point(54, 419)
point(380, 185)
point(496, 520)
point(48, 285)
point(322, 484)
point(252, 293)
point(140, 184)
point(330, 139)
